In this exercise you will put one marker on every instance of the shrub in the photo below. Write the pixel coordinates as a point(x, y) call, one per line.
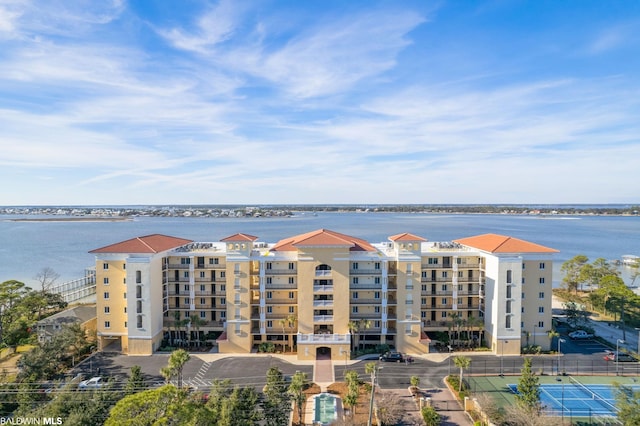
point(430, 416)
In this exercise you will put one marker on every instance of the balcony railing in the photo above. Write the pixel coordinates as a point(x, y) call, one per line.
point(309, 339)
point(323, 318)
point(365, 271)
point(322, 303)
point(281, 271)
point(322, 288)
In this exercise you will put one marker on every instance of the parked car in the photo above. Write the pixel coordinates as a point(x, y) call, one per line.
point(92, 383)
point(620, 357)
point(580, 334)
point(392, 357)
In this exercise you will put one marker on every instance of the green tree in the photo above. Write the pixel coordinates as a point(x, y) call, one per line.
point(430, 416)
point(628, 404)
point(276, 400)
point(197, 322)
point(150, 407)
point(353, 329)
point(11, 292)
point(135, 383)
point(573, 270)
point(528, 396)
point(177, 360)
point(462, 362)
point(296, 390)
point(241, 408)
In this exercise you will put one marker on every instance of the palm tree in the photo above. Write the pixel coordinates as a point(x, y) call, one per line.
point(455, 318)
point(177, 360)
point(353, 329)
point(363, 324)
point(463, 363)
point(196, 323)
point(286, 322)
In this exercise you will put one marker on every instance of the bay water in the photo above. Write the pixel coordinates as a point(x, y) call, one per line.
point(26, 247)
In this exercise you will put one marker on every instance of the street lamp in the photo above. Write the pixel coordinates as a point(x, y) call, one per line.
point(450, 348)
point(618, 341)
point(559, 341)
point(373, 389)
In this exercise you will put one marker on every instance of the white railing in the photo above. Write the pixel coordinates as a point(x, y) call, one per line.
point(324, 338)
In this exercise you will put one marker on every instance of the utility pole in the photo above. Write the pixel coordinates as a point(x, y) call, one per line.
point(373, 391)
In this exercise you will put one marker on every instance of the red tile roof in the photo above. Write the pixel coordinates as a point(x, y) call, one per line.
point(405, 237)
point(239, 237)
point(154, 243)
point(323, 237)
point(495, 243)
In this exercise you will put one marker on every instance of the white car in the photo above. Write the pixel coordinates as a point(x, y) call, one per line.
point(580, 334)
point(92, 383)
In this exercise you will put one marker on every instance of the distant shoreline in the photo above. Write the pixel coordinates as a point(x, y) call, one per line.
point(74, 219)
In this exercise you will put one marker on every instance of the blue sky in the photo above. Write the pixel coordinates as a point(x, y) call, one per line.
point(270, 102)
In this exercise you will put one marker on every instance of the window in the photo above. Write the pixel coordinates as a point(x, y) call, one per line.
point(139, 321)
point(509, 276)
point(354, 280)
point(105, 281)
point(223, 274)
point(106, 310)
point(541, 309)
point(444, 287)
point(376, 309)
point(124, 295)
point(186, 314)
point(223, 301)
point(203, 274)
point(106, 295)
point(124, 280)
point(269, 266)
point(508, 309)
point(445, 274)
point(223, 315)
point(269, 324)
point(444, 301)
point(540, 324)
point(541, 280)
point(107, 324)
point(269, 295)
point(186, 287)
point(138, 291)
point(203, 301)
point(433, 261)
point(355, 265)
point(291, 280)
point(185, 261)
point(507, 321)
point(292, 309)
point(203, 314)
point(354, 309)
point(125, 324)
point(443, 314)
point(541, 265)
point(138, 277)
point(269, 281)
point(541, 295)
point(292, 295)
point(376, 280)
point(105, 266)
point(125, 309)
point(354, 295)
point(508, 292)
point(186, 300)
point(291, 266)
point(269, 309)
point(203, 287)
point(376, 265)
point(185, 274)
point(522, 295)
point(376, 295)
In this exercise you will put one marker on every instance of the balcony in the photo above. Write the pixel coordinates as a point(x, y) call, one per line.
point(323, 289)
point(323, 303)
point(281, 272)
point(281, 301)
point(365, 271)
point(325, 339)
point(361, 286)
point(323, 273)
point(281, 286)
point(323, 318)
point(361, 301)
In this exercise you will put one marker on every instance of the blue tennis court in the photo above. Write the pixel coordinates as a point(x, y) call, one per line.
point(577, 399)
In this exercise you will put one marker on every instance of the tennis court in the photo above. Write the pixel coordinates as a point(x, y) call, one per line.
point(577, 399)
point(582, 399)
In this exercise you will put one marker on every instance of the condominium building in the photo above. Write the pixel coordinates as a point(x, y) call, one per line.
point(323, 292)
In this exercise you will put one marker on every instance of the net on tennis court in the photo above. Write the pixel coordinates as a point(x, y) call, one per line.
point(593, 395)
